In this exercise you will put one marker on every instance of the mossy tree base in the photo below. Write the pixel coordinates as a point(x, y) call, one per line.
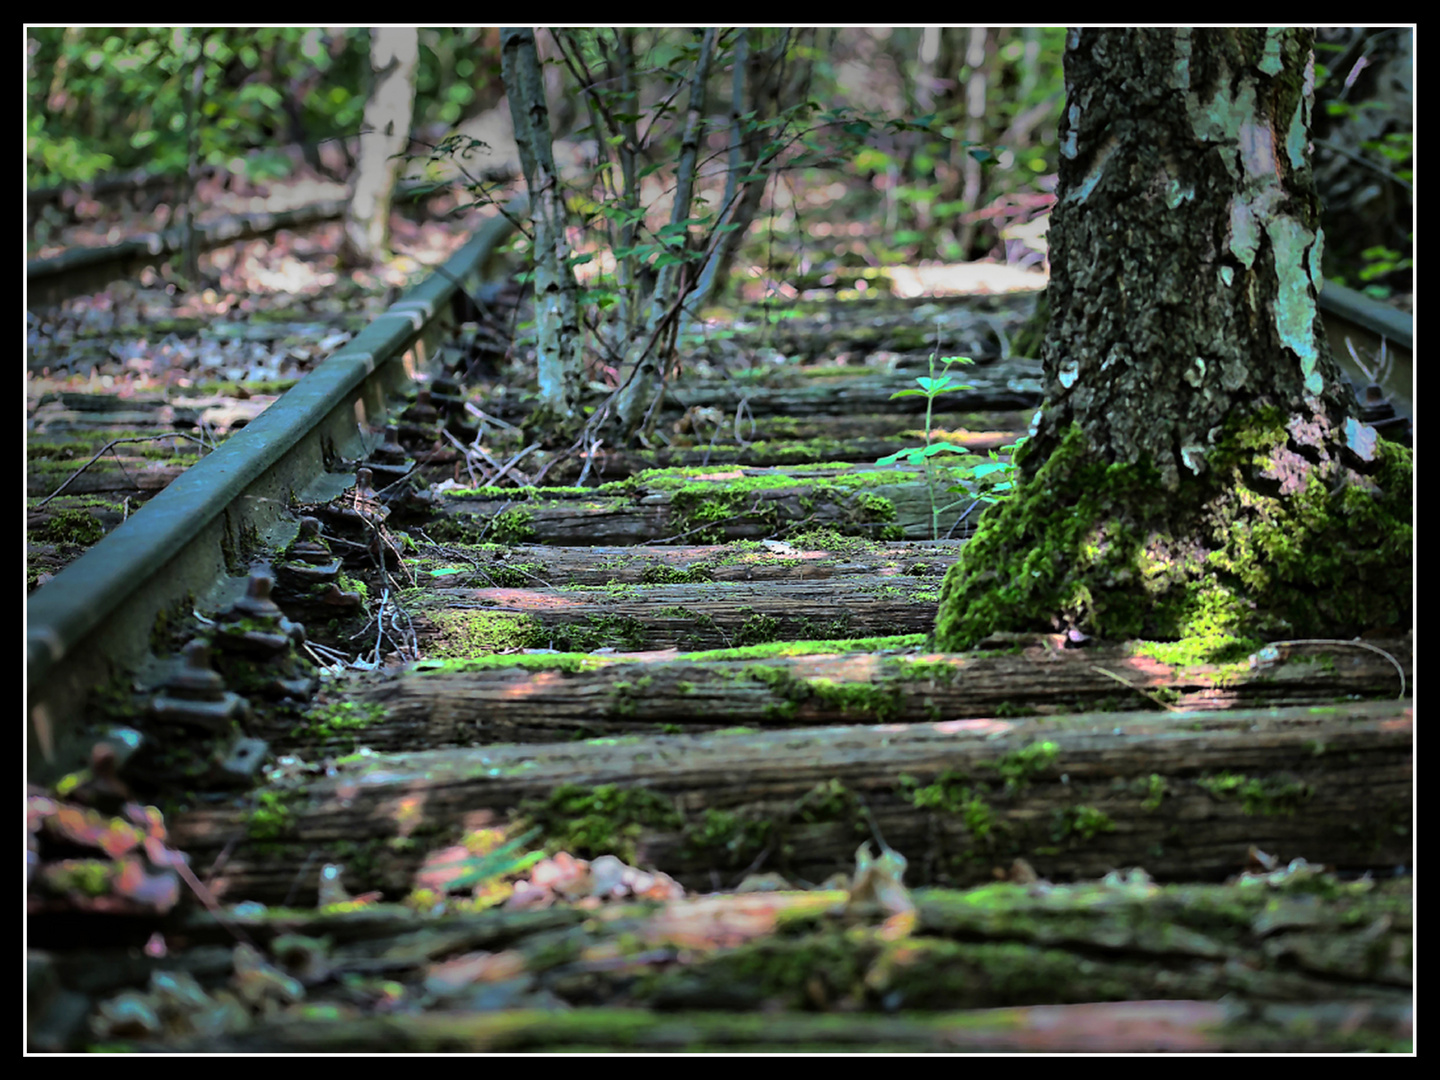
point(1281, 536)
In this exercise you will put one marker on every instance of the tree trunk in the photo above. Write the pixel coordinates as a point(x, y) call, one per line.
point(639, 394)
point(557, 319)
point(1195, 468)
point(394, 54)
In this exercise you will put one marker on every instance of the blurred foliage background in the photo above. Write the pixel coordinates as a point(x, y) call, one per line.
point(970, 175)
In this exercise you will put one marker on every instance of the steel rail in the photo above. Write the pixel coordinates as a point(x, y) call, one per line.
point(186, 547)
point(1382, 320)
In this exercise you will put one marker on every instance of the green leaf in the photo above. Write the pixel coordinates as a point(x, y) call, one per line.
point(944, 448)
point(914, 456)
point(991, 467)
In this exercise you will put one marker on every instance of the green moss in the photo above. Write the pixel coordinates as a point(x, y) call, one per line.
point(705, 507)
point(513, 526)
point(339, 718)
point(1220, 649)
point(1259, 795)
point(348, 584)
point(674, 575)
point(949, 792)
point(272, 819)
point(74, 527)
point(756, 630)
point(624, 633)
point(1084, 822)
point(878, 701)
point(774, 649)
point(1263, 545)
point(728, 839)
point(470, 632)
point(87, 877)
point(830, 801)
point(608, 819)
point(570, 662)
point(514, 575)
point(1154, 793)
point(1009, 710)
point(835, 542)
point(1020, 767)
point(622, 695)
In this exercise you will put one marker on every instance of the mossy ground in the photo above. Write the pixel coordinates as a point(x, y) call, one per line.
point(1276, 539)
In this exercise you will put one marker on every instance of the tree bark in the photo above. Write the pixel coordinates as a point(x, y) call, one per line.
point(638, 395)
point(557, 318)
point(1195, 467)
point(394, 54)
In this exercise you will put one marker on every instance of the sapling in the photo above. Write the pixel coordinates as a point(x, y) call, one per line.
point(998, 484)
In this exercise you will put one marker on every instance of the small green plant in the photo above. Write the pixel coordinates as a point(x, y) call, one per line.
point(992, 478)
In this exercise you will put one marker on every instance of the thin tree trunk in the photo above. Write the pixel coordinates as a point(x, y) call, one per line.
point(557, 319)
point(394, 54)
point(638, 396)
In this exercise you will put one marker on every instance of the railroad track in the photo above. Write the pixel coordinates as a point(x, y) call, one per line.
point(738, 642)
